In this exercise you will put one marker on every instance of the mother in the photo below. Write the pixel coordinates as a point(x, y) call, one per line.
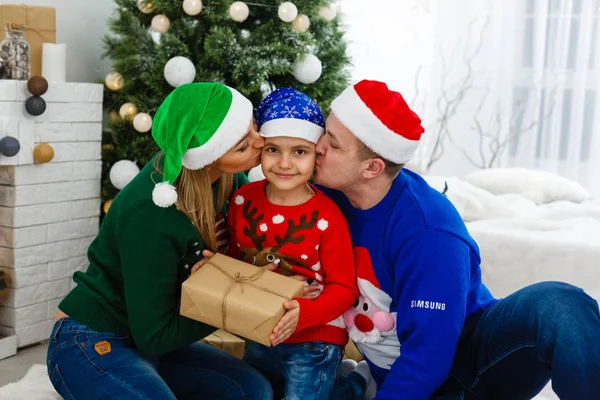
point(118, 332)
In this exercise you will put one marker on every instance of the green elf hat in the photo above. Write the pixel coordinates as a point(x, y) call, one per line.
point(195, 125)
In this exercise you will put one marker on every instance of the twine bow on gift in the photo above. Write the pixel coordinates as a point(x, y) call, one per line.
point(242, 280)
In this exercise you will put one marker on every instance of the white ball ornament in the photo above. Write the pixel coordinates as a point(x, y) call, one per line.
point(161, 23)
point(128, 111)
point(327, 12)
point(192, 7)
point(114, 81)
point(301, 23)
point(179, 70)
point(308, 69)
point(239, 11)
point(287, 11)
point(122, 172)
point(142, 122)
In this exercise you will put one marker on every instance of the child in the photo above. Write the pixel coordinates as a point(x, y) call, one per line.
point(286, 221)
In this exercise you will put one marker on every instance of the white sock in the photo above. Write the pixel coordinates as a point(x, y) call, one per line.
point(346, 367)
point(362, 368)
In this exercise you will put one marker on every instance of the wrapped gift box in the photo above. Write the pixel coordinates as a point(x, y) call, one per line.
point(227, 342)
point(237, 297)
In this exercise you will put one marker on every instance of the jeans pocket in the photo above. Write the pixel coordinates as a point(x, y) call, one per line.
point(58, 382)
point(104, 349)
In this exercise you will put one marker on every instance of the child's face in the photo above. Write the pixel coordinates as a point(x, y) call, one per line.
point(288, 162)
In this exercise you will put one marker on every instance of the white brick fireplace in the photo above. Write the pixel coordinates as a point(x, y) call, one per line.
point(48, 212)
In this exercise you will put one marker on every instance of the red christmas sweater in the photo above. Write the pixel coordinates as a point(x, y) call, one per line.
point(310, 239)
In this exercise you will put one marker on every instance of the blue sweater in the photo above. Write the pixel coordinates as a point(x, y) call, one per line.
point(423, 270)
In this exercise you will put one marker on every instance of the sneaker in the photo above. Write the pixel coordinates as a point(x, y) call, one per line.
point(346, 367)
point(362, 368)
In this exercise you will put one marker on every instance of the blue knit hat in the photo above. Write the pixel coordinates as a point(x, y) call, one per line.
point(288, 112)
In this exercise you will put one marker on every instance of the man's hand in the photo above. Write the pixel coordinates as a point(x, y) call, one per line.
point(287, 324)
point(207, 254)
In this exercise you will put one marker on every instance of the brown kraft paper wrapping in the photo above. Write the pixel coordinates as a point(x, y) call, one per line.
point(238, 297)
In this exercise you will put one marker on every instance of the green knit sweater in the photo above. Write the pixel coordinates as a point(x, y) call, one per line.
point(137, 263)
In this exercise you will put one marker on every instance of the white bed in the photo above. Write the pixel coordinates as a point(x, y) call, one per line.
point(531, 226)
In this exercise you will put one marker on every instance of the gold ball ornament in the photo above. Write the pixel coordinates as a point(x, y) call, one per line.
point(301, 23)
point(239, 11)
point(114, 117)
point(192, 7)
point(161, 23)
point(106, 206)
point(145, 6)
point(114, 81)
point(43, 153)
point(128, 111)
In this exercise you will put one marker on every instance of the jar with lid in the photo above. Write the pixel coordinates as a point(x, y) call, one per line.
point(15, 53)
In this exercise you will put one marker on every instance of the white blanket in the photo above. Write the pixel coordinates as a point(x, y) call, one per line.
point(522, 242)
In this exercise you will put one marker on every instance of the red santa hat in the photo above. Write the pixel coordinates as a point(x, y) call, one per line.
point(367, 281)
point(381, 119)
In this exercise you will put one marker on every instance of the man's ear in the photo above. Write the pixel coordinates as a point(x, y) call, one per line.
point(374, 167)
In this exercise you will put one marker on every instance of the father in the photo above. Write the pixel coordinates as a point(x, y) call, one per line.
point(425, 323)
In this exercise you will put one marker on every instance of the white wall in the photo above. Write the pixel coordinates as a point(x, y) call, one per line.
point(389, 39)
point(80, 24)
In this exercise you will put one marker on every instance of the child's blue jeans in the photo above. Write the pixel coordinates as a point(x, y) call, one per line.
point(303, 371)
point(81, 365)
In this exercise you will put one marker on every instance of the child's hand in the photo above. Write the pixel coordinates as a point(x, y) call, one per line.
point(207, 254)
point(287, 324)
point(272, 266)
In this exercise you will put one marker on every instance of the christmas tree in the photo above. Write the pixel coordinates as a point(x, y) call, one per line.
point(255, 47)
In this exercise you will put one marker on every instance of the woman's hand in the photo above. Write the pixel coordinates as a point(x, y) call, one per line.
point(310, 291)
point(287, 324)
point(207, 254)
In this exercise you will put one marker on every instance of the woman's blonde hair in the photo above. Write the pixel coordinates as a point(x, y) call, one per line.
point(195, 198)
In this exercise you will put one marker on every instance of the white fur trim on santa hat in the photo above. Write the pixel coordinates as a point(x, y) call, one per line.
point(373, 293)
point(233, 128)
point(292, 127)
point(351, 111)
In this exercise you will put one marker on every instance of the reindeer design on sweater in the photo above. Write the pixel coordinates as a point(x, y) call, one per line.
point(260, 255)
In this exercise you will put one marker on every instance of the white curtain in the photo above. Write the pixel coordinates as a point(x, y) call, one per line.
point(556, 84)
point(497, 83)
point(527, 84)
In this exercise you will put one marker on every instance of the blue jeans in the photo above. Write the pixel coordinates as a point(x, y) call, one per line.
point(545, 331)
point(303, 371)
point(77, 369)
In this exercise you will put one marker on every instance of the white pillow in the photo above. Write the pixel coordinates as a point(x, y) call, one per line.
point(541, 187)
